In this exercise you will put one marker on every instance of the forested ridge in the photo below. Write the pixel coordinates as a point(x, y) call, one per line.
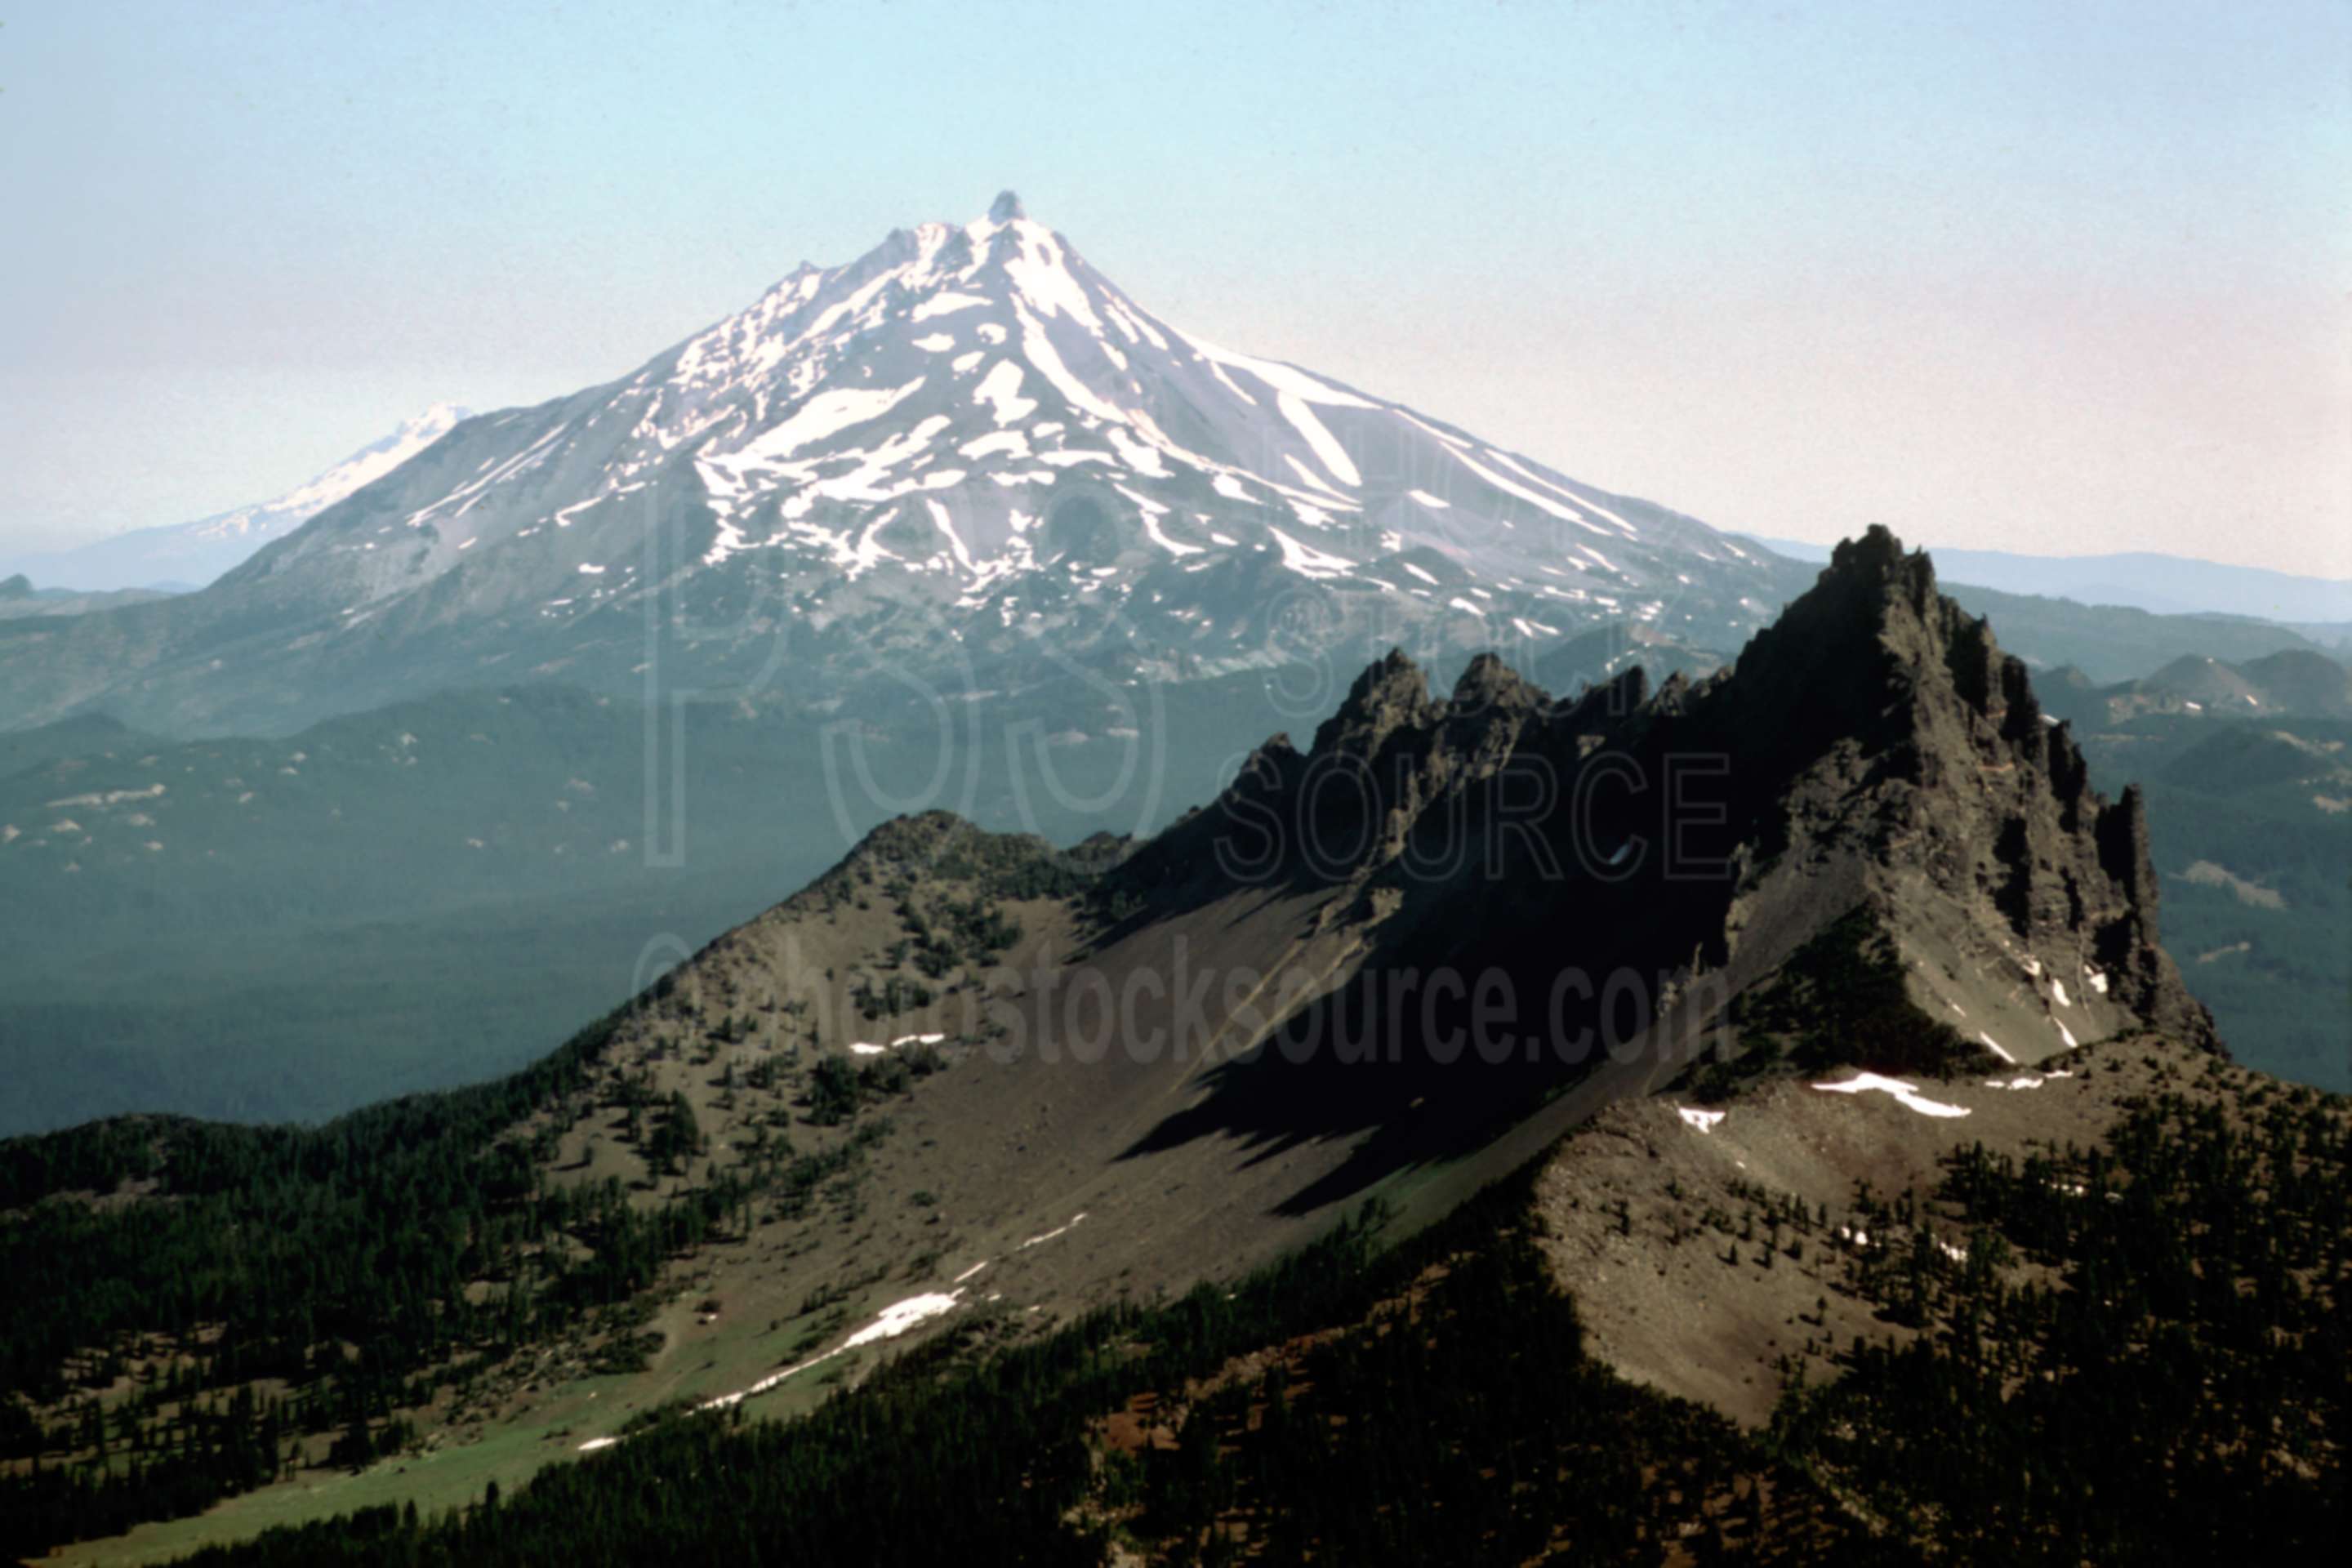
point(2174, 1386)
point(1478, 1373)
point(2136, 1357)
point(192, 1309)
point(257, 1287)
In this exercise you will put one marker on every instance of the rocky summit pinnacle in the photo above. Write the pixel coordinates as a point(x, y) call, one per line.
point(1874, 753)
point(1006, 208)
point(1390, 694)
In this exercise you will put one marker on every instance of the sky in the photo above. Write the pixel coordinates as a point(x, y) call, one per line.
point(2063, 278)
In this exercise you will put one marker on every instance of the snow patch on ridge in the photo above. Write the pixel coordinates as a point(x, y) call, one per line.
point(1904, 1094)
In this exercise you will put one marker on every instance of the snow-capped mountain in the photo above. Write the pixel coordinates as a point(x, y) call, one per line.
point(961, 455)
point(189, 555)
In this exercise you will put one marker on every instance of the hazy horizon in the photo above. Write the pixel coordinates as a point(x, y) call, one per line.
point(2002, 277)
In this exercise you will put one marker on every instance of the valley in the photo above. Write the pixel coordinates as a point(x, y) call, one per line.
point(430, 894)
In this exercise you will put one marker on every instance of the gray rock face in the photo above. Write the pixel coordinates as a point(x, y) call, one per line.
point(966, 456)
point(2033, 896)
point(1914, 749)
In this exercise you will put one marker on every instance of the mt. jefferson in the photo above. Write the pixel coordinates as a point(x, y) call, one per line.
point(966, 453)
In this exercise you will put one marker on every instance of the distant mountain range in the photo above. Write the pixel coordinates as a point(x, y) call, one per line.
point(180, 556)
point(2113, 642)
point(2139, 580)
point(19, 597)
point(2293, 683)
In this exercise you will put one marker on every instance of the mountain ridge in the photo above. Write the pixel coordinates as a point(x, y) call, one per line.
point(184, 556)
point(961, 1072)
point(2292, 682)
point(2140, 579)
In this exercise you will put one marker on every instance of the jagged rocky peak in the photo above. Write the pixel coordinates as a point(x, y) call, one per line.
point(1925, 630)
point(1873, 653)
point(1878, 744)
point(1899, 721)
point(1877, 555)
point(1873, 616)
point(1487, 718)
point(1391, 694)
point(1488, 682)
point(1871, 591)
point(1006, 207)
point(1875, 750)
point(1948, 664)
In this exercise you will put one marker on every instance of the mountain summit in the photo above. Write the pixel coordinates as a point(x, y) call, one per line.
point(1873, 774)
point(967, 448)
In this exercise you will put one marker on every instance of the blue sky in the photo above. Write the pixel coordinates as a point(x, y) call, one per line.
point(2062, 277)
